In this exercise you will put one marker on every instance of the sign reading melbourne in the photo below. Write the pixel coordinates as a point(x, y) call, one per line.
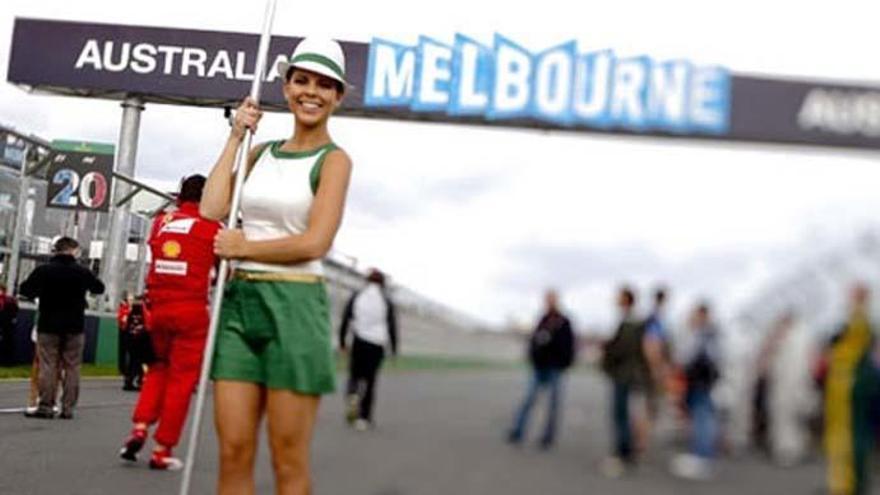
point(465, 81)
point(558, 85)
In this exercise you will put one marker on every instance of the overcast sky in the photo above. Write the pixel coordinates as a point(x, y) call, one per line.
point(485, 219)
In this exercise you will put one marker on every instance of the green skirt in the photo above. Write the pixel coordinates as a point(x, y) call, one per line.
point(276, 334)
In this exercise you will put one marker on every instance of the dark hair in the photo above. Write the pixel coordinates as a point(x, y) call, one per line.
point(191, 188)
point(628, 294)
point(703, 307)
point(65, 244)
point(339, 86)
point(376, 276)
point(660, 295)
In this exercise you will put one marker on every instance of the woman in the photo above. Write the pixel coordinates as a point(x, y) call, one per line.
point(274, 355)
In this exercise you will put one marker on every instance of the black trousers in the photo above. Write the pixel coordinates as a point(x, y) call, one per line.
point(366, 359)
point(130, 364)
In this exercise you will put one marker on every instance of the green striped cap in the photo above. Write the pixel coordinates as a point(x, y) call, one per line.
point(323, 56)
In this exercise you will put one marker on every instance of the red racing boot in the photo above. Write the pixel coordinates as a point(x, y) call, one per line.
point(162, 459)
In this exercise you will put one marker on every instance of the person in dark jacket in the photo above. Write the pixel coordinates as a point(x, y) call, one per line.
point(551, 352)
point(123, 349)
point(372, 318)
point(8, 316)
point(132, 365)
point(624, 362)
point(61, 286)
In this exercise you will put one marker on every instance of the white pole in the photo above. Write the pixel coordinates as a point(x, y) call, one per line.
point(240, 170)
point(24, 188)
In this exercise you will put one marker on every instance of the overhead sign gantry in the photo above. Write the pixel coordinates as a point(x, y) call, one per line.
point(566, 87)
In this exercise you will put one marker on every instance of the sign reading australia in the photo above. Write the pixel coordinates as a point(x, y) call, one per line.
point(559, 85)
point(496, 82)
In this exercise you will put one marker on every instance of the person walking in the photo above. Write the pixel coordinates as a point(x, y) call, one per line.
point(623, 360)
point(850, 383)
point(123, 348)
point(274, 354)
point(657, 345)
point(699, 354)
point(551, 352)
point(61, 285)
point(178, 281)
point(373, 321)
point(784, 364)
point(134, 332)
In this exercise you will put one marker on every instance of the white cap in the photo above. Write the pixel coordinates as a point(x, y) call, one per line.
point(321, 55)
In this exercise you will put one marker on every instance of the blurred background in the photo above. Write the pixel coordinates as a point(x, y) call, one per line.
point(473, 223)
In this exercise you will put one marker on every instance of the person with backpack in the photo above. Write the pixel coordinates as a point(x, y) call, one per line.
point(623, 360)
point(699, 354)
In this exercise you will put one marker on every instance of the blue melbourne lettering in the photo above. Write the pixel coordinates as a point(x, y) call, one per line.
point(511, 88)
point(433, 76)
point(558, 85)
point(390, 74)
point(553, 82)
point(473, 67)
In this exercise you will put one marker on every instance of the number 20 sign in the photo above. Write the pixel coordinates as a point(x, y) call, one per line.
point(79, 181)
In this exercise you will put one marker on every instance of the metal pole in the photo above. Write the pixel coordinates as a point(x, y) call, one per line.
point(113, 260)
point(24, 187)
point(222, 272)
point(143, 250)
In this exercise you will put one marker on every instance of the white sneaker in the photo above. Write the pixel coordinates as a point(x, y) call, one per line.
point(362, 425)
point(691, 467)
point(352, 406)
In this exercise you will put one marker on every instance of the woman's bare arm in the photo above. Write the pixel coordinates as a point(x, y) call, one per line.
point(217, 194)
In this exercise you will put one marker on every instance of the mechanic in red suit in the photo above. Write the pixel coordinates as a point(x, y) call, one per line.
point(182, 249)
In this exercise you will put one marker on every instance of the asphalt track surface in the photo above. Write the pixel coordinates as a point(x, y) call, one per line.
point(438, 432)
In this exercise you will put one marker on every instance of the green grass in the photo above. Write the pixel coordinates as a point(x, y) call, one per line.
point(90, 370)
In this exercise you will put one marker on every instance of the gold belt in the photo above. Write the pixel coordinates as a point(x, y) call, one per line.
point(277, 277)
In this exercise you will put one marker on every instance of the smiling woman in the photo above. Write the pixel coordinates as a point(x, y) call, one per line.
point(274, 353)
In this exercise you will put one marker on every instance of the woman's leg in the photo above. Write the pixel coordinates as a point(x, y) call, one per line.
point(291, 418)
point(238, 408)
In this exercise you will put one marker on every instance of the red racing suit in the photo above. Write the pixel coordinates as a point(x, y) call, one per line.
point(182, 249)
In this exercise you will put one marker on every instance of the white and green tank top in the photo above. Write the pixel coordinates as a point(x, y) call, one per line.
point(277, 198)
